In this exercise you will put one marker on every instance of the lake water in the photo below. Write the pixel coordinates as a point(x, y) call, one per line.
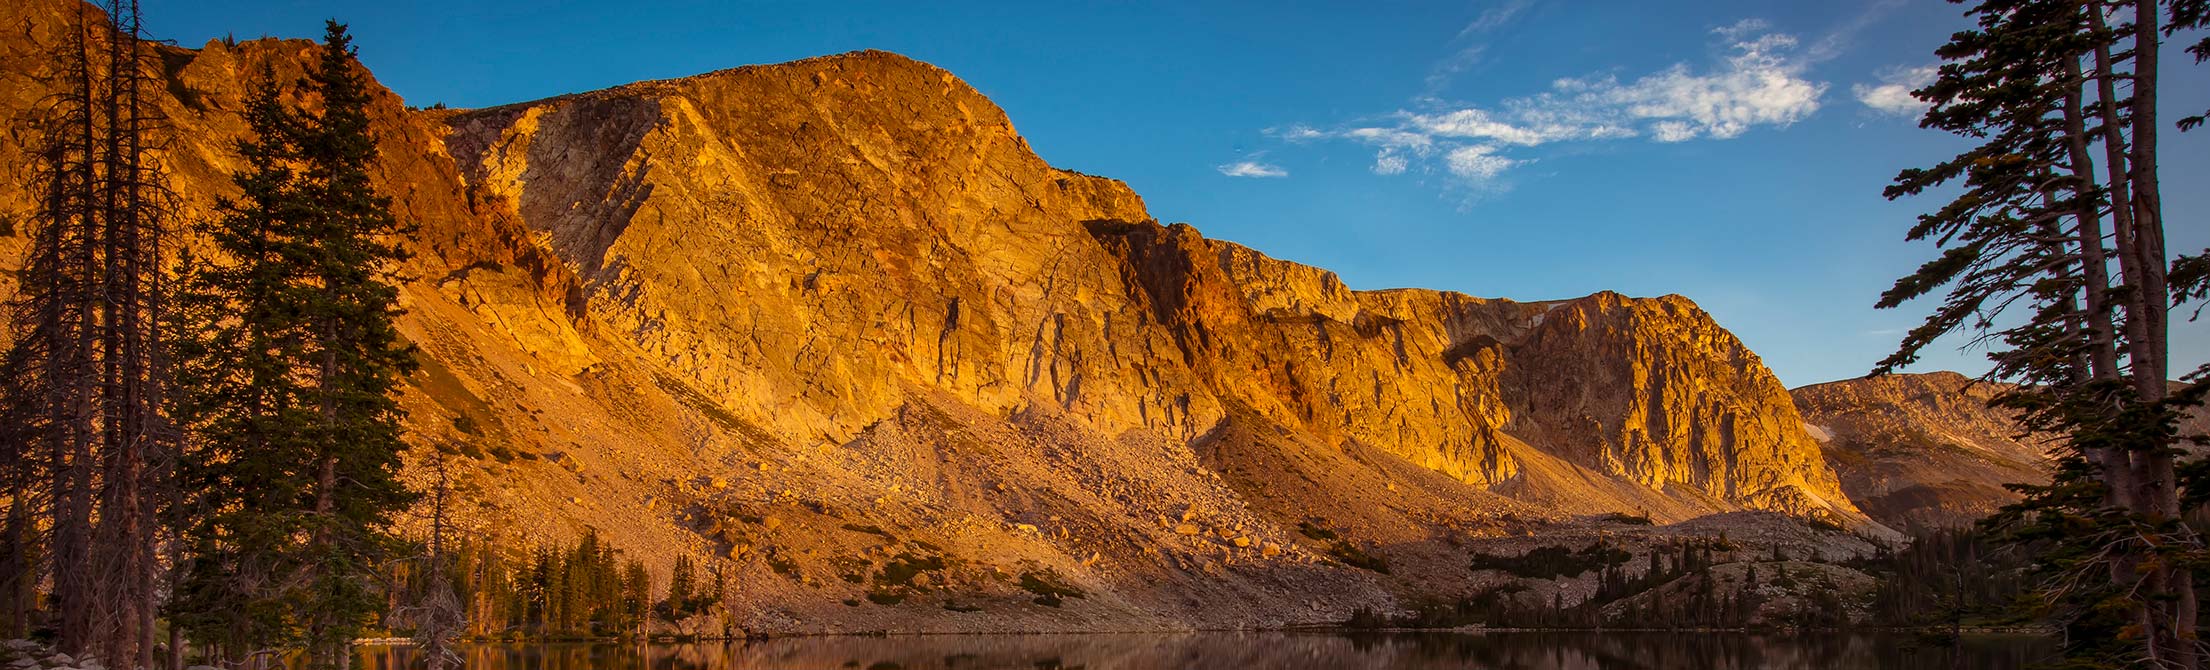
point(1266, 651)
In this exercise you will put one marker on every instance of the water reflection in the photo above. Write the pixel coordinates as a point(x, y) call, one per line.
point(1264, 651)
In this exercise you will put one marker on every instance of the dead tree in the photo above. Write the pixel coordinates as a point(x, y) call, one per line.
point(89, 431)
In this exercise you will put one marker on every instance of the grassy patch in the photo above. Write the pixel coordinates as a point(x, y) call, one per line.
point(448, 391)
point(1342, 549)
point(698, 402)
point(1625, 518)
point(783, 565)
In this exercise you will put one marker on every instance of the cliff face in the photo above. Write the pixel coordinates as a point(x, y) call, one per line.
point(824, 237)
point(1923, 450)
point(809, 317)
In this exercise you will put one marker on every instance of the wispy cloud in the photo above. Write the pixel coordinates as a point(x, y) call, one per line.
point(1892, 93)
point(1495, 17)
point(1759, 81)
point(1838, 38)
point(1251, 169)
point(1467, 47)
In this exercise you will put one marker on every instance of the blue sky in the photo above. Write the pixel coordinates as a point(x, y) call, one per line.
point(1729, 151)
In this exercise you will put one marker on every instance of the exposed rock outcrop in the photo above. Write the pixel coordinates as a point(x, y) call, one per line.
point(1923, 450)
point(747, 312)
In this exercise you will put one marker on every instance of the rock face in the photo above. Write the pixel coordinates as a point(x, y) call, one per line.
point(1922, 450)
point(748, 312)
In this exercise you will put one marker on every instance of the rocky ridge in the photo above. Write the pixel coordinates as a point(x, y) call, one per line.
point(814, 317)
point(1926, 450)
point(1923, 450)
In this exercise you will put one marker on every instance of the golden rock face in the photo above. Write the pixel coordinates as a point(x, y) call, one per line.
point(1923, 450)
point(743, 313)
point(808, 244)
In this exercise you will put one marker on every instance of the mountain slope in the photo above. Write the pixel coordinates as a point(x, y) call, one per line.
point(821, 317)
point(1925, 450)
point(1922, 450)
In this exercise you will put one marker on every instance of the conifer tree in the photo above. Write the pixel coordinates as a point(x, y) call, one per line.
point(294, 365)
point(243, 402)
point(356, 356)
point(2053, 251)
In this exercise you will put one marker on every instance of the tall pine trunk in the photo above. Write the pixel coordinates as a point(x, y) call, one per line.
point(2151, 487)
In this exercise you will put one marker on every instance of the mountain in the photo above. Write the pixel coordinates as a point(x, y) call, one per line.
point(1923, 450)
point(834, 324)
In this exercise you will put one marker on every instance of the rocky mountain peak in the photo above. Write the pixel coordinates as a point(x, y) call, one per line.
point(743, 313)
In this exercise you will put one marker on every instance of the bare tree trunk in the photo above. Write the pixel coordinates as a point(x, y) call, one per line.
point(2169, 621)
point(2102, 354)
point(74, 362)
point(2152, 363)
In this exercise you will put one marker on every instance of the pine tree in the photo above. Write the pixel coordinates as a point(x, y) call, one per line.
point(2080, 309)
point(242, 406)
point(437, 612)
point(636, 597)
point(357, 358)
point(294, 363)
point(682, 579)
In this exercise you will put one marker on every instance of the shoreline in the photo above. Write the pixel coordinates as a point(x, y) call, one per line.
point(1329, 631)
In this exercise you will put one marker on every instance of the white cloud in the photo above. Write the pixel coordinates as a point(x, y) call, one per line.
point(1893, 94)
point(1297, 132)
point(1672, 131)
point(1477, 163)
point(1761, 81)
point(1252, 169)
point(1393, 138)
point(1389, 163)
point(1742, 28)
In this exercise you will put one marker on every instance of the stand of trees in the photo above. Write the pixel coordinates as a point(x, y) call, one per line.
point(1674, 588)
point(2053, 255)
point(585, 590)
point(88, 445)
point(1949, 578)
point(212, 440)
point(292, 364)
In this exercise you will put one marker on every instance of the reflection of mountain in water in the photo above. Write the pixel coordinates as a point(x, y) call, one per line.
point(1264, 651)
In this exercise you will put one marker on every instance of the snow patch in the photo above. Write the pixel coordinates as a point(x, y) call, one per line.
point(1818, 432)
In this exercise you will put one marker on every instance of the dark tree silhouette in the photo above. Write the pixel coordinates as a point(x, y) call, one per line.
point(88, 443)
point(2075, 312)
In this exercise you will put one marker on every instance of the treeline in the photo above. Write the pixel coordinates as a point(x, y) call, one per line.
point(1678, 585)
point(584, 590)
point(205, 441)
point(1950, 578)
point(1939, 579)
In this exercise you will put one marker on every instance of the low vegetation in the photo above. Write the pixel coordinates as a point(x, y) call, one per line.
point(1049, 590)
point(1554, 562)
